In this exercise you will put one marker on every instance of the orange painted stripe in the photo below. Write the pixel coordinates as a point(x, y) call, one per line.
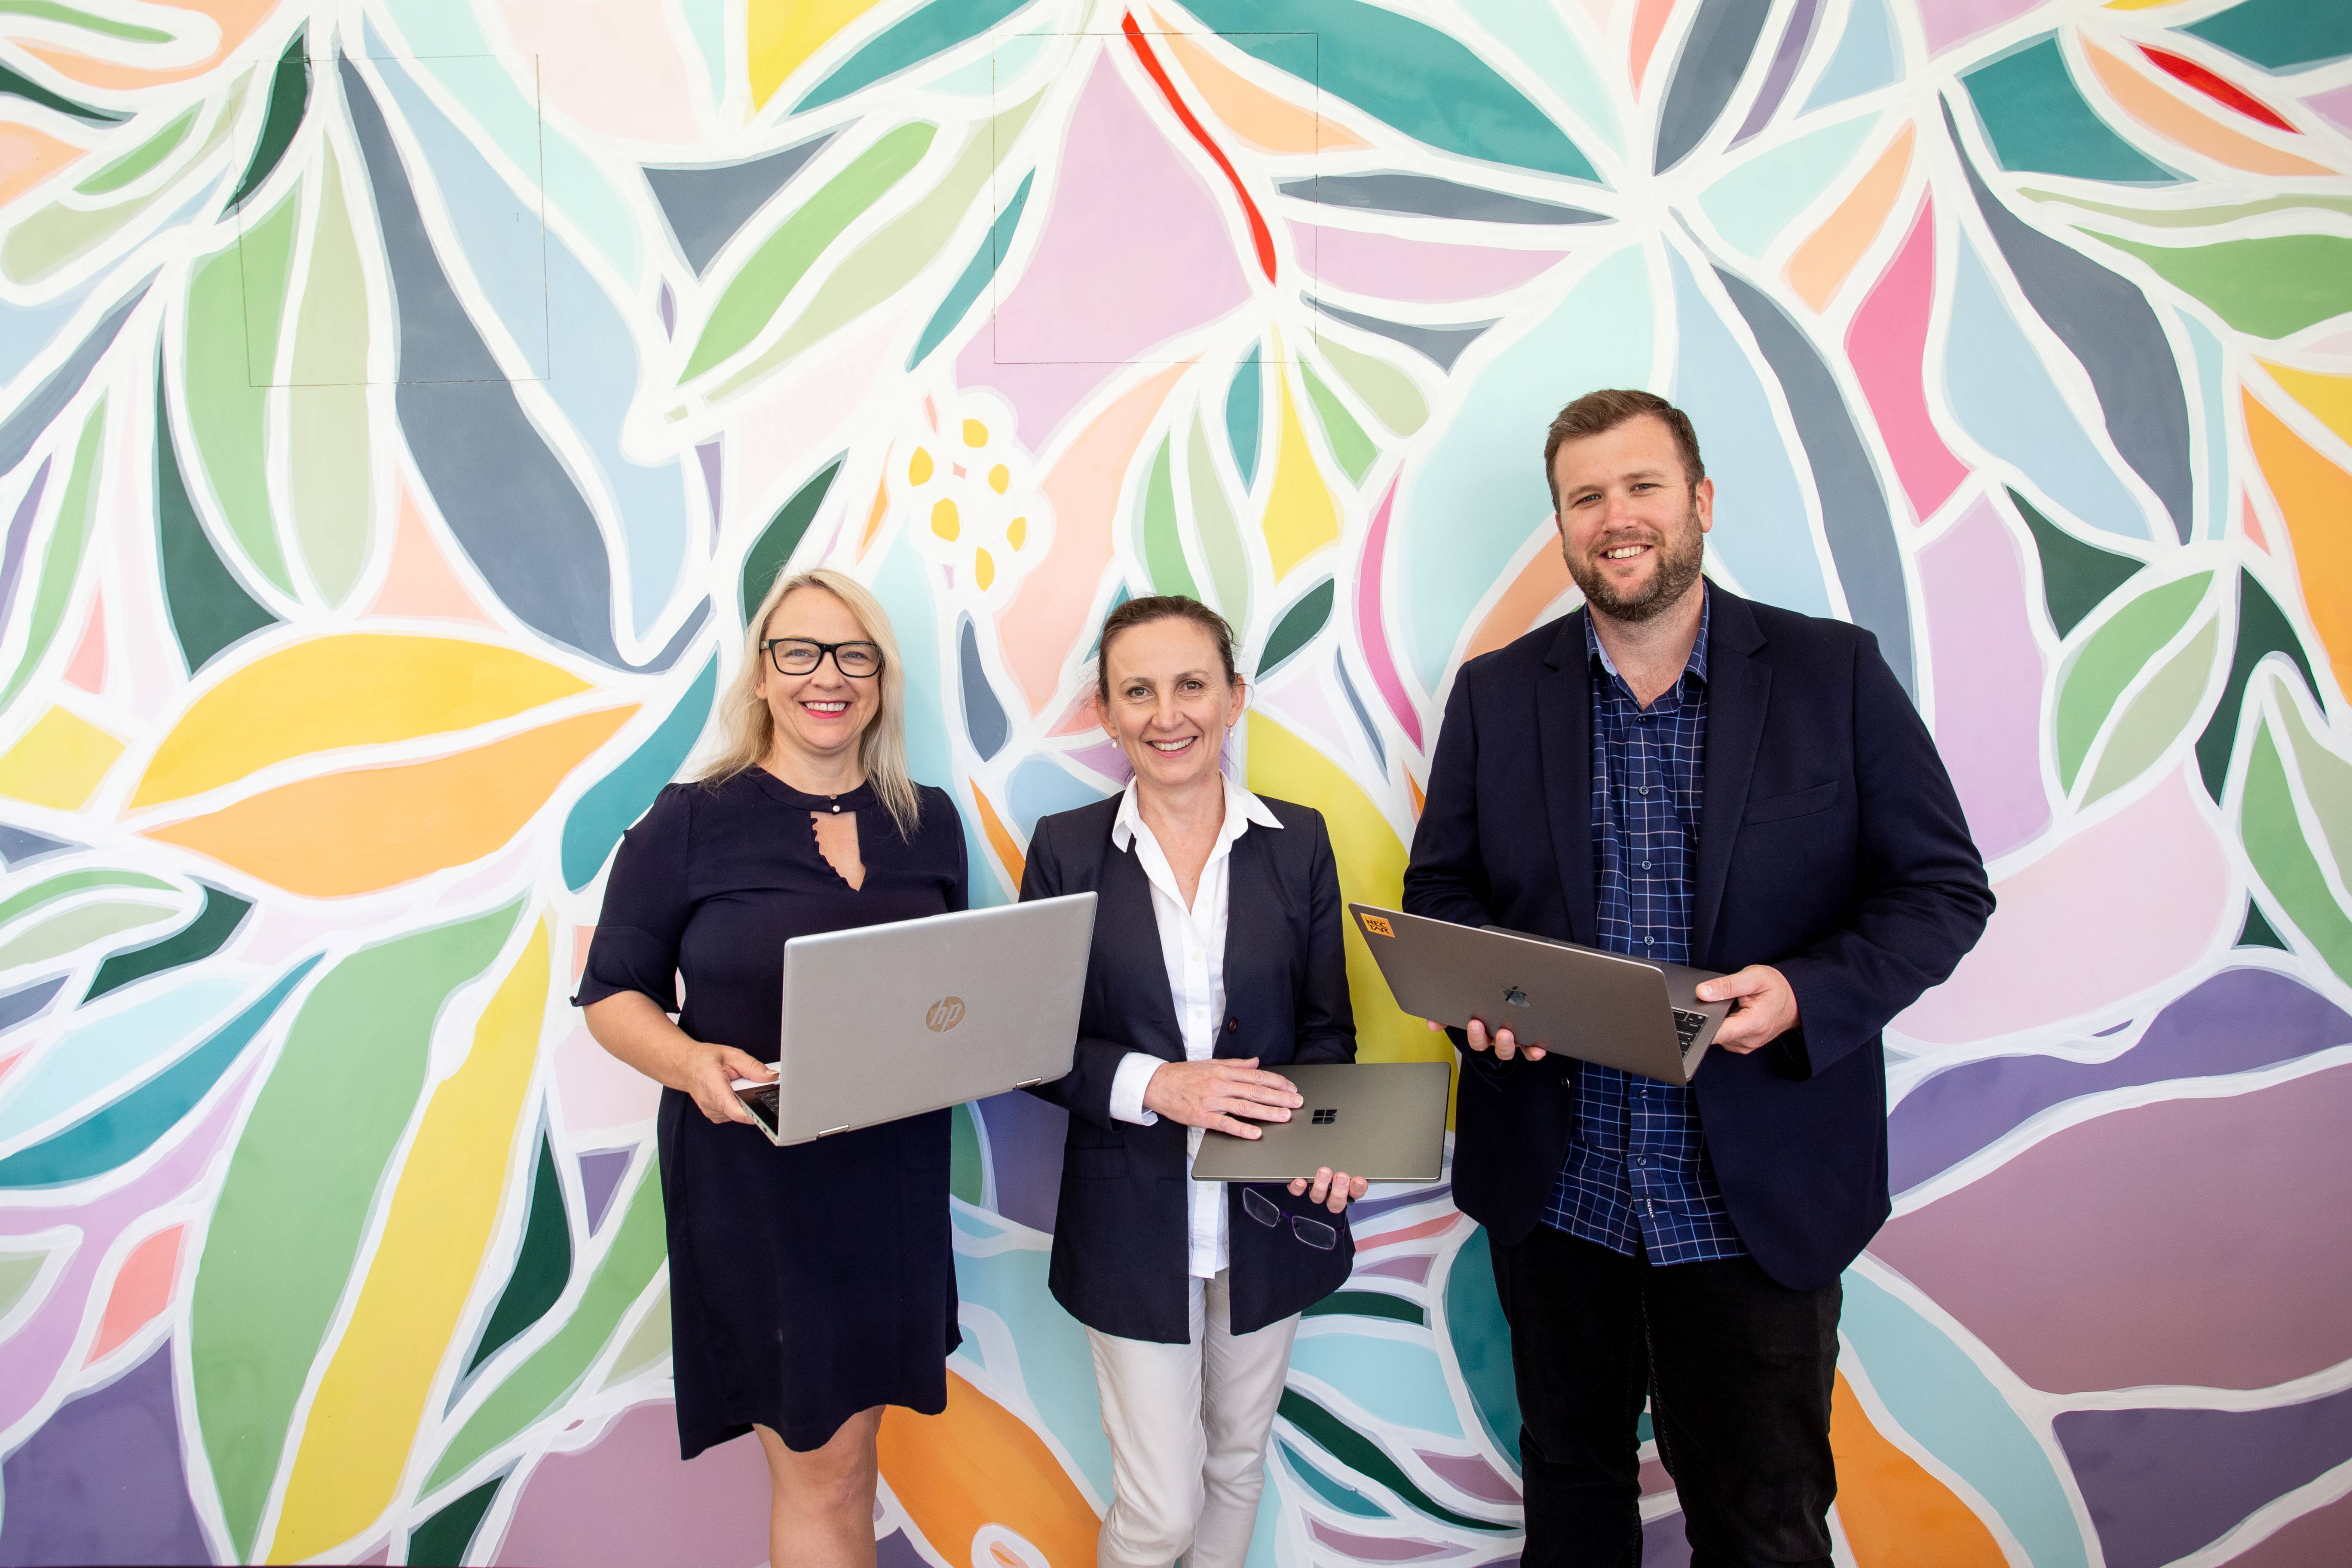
point(2314, 496)
point(1896, 1514)
point(977, 1464)
point(1000, 839)
point(1826, 258)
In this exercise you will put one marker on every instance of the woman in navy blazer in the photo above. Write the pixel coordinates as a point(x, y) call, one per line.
point(1217, 956)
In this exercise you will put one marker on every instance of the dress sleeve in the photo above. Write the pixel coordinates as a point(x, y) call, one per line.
point(646, 906)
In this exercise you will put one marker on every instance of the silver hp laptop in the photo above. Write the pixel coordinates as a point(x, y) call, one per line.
point(886, 1021)
point(1381, 1121)
point(1595, 1006)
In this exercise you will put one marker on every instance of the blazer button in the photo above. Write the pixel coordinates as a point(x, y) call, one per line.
point(1232, 1025)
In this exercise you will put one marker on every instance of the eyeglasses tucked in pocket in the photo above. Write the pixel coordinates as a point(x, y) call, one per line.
point(1313, 1232)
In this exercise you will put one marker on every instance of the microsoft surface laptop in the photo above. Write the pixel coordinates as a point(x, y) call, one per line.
point(1595, 1006)
point(886, 1021)
point(1383, 1120)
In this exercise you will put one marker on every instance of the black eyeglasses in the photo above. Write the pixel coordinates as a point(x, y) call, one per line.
point(798, 655)
point(1313, 1232)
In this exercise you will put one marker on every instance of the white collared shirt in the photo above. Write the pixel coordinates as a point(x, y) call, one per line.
point(1192, 946)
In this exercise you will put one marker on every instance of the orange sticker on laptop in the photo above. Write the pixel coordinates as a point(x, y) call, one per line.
point(1377, 926)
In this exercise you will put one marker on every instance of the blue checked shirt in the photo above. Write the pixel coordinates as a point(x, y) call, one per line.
point(1637, 1178)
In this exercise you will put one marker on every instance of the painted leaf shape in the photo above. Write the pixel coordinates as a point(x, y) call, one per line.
point(1715, 56)
point(359, 688)
point(750, 298)
point(45, 937)
point(2095, 677)
point(772, 551)
point(290, 99)
point(1299, 626)
point(2159, 716)
point(370, 1401)
point(1162, 541)
point(2284, 857)
point(51, 889)
point(542, 1264)
point(2076, 576)
point(932, 29)
point(260, 1309)
point(205, 933)
point(1421, 80)
point(975, 276)
point(210, 610)
point(2037, 119)
point(367, 828)
point(236, 303)
point(2262, 630)
point(2272, 286)
point(550, 1374)
point(1350, 445)
point(607, 808)
point(1222, 549)
point(977, 1464)
point(330, 456)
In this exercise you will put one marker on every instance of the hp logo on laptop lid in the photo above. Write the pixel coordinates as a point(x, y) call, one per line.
point(945, 1014)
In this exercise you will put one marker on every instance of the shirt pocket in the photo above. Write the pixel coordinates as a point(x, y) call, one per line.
point(1797, 803)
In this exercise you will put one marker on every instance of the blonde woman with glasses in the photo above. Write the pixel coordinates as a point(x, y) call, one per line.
point(810, 1286)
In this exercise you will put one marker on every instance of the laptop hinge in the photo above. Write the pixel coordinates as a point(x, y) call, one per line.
point(831, 1131)
point(1029, 1083)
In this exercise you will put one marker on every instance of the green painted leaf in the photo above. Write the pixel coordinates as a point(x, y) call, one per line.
point(542, 1264)
point(2195, 217)
point(441, 1542)
point(51, 890)
point(967, 1165)
point(1365, 1457)
point(772, 551)
point(1163, 544)
point(1297, 627)
point(236, 300)
point(2272, 286)
point(1220, 534)
point(2282, 856)
point(932, 29)
point(2159, 716)
point(784, 258)
point(1481, 1339)
point(74, 15)
point(16, 84)
point(61, 563)
point(549, 1376)
point(2036, 116)
point(289, 99)
point(1423, 81)
point(647, 1343)
point(2076, 577)
point(2326, 783)
point(1367, 1304)
point(891, 258)
point(975, 275)
point(1350, 445)
point(1344, 1498)
point(327, 452)
point(209, 607)
point(1387, 391)
point(2258, 931)
point(295, 1205)
point(44, 243)
point(2262, 630)
point(222, 914)
point(142, 158)
point(70, 930)
point(2097, 673)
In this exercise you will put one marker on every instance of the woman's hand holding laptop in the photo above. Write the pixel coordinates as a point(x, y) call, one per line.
point(1214, 1090)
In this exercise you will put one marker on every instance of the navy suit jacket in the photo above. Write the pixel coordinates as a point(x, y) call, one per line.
point(1830, 846)
point(1121, 1239)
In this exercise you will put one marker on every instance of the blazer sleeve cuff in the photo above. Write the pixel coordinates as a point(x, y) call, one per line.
point(1127, 1087)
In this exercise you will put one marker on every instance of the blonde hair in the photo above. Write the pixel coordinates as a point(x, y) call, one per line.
point(747, 730)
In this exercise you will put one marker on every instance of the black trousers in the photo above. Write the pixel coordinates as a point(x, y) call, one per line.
point(1737, 1369)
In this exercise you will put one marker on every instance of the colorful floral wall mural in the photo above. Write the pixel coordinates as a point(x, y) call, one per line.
point(404, 399)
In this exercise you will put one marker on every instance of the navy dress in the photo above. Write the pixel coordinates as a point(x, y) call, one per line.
point(811, 1282)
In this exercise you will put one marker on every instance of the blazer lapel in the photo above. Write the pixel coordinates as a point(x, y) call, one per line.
point(1125, 919)
point(1254, 908)
point(1564, 747)
point(1738, 689)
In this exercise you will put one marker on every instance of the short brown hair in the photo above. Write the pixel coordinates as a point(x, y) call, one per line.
point(1597, 412)
point(1162, 607)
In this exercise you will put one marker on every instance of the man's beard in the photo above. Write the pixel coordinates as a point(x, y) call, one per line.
point(1679, 558)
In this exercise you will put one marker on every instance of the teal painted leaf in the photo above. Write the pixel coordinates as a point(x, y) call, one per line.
point(1481, 1339)
point(1365, 1457)
point(608, 807)
point(1367, 1304)
point(1423, 81)
point(1299, 626)
point(294, 1206)
point(1344, 1498)
point(1245, 401)
point(542, 1264)
point(772, 551)
point(2038, 120)
point(975, 275)
point(290, 99)
point(2258, 931)
point(932, 29)
point(16, 84)
point(2280, 34)
point(210, 609)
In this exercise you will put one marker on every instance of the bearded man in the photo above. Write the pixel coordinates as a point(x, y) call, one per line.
point(1674, 773)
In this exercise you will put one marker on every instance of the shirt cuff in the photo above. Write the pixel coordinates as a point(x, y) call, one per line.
point(1134, 1071)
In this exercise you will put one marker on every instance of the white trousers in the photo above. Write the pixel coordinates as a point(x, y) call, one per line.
point(1188, 1426)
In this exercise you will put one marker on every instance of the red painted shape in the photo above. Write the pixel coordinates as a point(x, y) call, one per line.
point(1259, 233)
point(2219, 89)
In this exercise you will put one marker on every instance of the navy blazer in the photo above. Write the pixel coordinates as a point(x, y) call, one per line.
point(1830, 846)
point(1122, 1240)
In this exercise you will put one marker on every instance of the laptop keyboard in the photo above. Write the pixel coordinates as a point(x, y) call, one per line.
point(1686, 1026)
